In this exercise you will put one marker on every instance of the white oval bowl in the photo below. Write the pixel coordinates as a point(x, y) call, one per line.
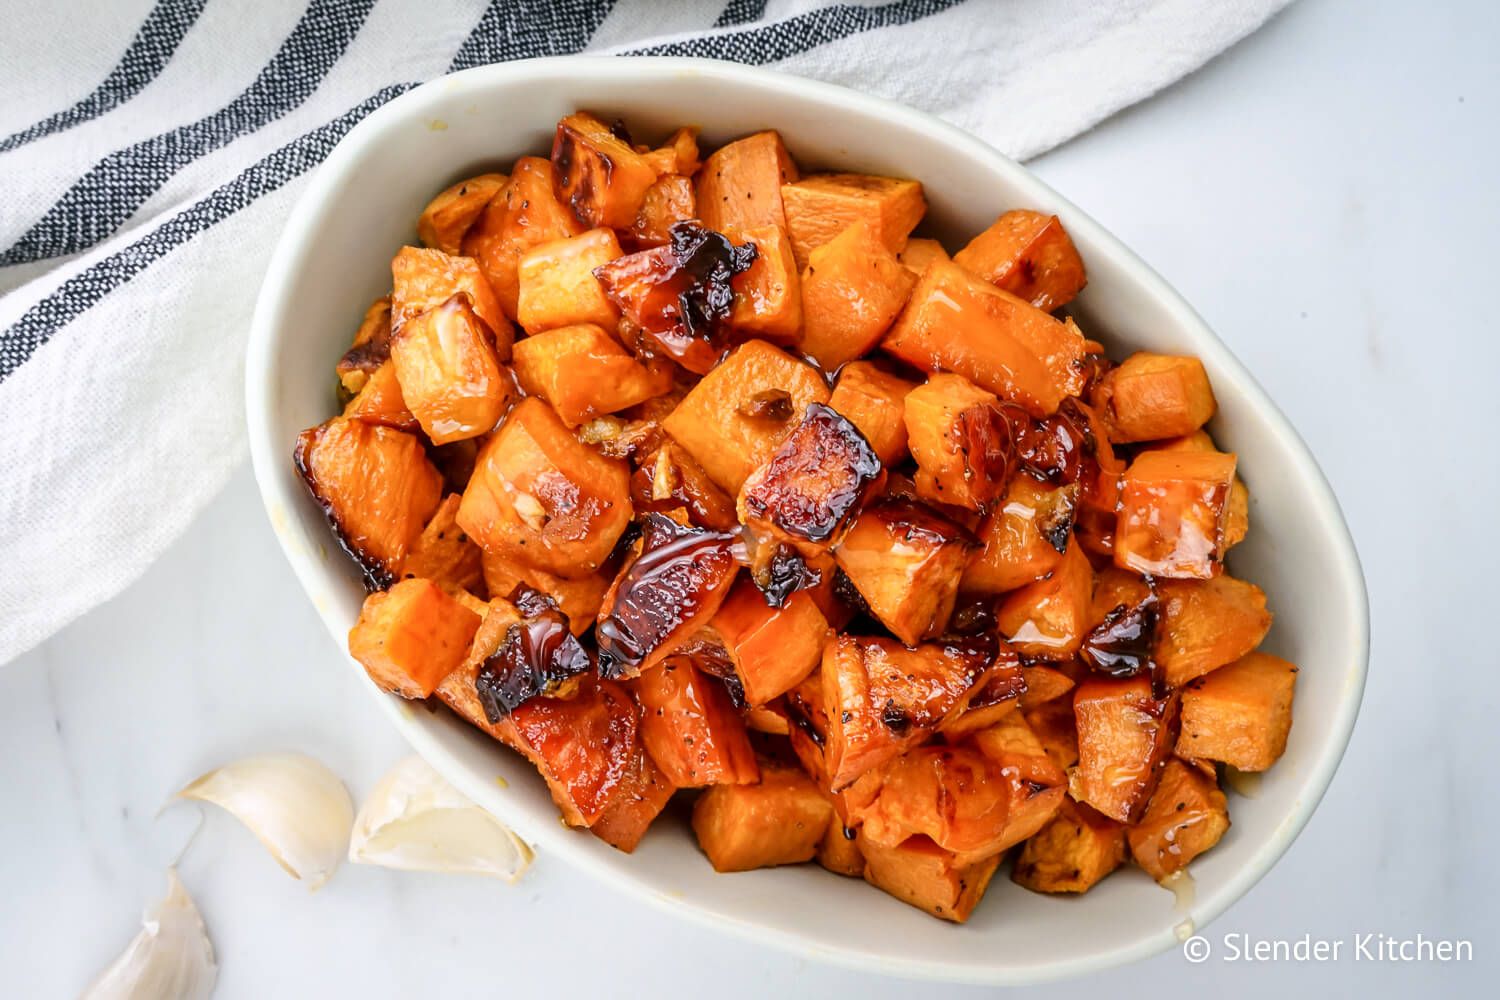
point(334, 258)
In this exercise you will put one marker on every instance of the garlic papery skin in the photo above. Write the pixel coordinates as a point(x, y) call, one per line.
point(171, 957)
point(298, 808)
point(414, 820)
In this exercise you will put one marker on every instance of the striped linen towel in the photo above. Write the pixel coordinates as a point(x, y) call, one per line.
point(149, 150)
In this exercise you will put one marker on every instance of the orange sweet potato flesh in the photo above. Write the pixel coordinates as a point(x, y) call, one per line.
point(1056, 727)
point(1030, 255)
point(957, 322)
point(521, 216)
point(640, 798)
point(379, 401)
point(1072, 853)
point(668, 201)
point(1207, 624)
point(739, 185)
point(954, 795)
point(838, 851)
point(921, 252)
point(1049, 617)
point(1149, 397)
point(669, 479)
point(1239, 714)
point(691, 728)
point(444, 554)
point(450, 377)
point(585, 746)
point(1173, 513)
point(424, 279)
point(821, 206)
point(778, 821)
point(922, 874)
point(996, 695)
point(1186, 816)
point(376, 487)
point(370, 349)
point(579, 598)
point(874, 401)
point(1124, 736)
point(598, 174)
point(540, 497)
point(584, 372)
point(1037, 784)
point(412, 636)
point(1237, 507)
point(1019, 537)
point(447, 217)
point(960, 440)
point(768, 296)
point(853, 287)
point(772, 649)
point(1043, 683)
point(557, 283)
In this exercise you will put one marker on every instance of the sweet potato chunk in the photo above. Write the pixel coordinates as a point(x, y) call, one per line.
point(425, 279)
point(1153, 396)
point(671, 479)
point(768, 295)
point(557, 283)
point(1028, 254)
point(838, 851)
point(1173, 508)
point(1056, 727)
point(922, 874)
point(412, 636)
point(540, 497)
point(1186, 816)
point(443, 554)
point(449, 375)
point(597, 172)
point(1206, 624)
point(447, 218)
point(521, 216)
point(997, 694)
point(585, 746)
point(1023, 538)
point(956, 322)
point(954, 795)
point(371, 347)
point(1237, 507)
point(1072, 853)
point(668, 201)
point(1239, 714)
point(740, 184)
point(678, 154)
point(772, 649)
point(821, 206)
point(691, 729)
point(852, 289)
point(778, 821)
point(1049, 617)
point(874, 401)
point(741, 411)
point(961, 441)
point(1124, 736)
point(1037, 784)
point(919, 253)
point(584, 372)
point(376, 488)
point(380, 401)
point(1043, 684)
point(906, 562)
point(640, 798)
point(579, 598)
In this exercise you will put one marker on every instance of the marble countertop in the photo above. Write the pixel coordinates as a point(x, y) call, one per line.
point(1324, 194)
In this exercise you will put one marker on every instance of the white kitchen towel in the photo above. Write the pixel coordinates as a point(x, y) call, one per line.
point(149, 150)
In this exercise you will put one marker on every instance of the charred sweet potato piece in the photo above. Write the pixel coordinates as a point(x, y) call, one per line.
point(524, 214)
point(954, 795)
point(597, 172)
point(961, 441)
point(371, 347)
point(1239, 714)
point(691, 729)
point(821, 206)
point(768, 294)
point(874, 401)
point(922, 874)
point(579, 597)
point(640, 798)
point(1115, 588)
point(584, 372)
point(1072, 853)
point(853, 287)
point(1237, 507)
point(740, 184)
point(778, 821)
point(537, 657)
point(1173, 510)
point(1030, 255)
point(668, 201)
point(1023, 538)
point(447, 218)
point(1056, 727)
point(540, 497)
point(906, 562)
point(1048, 618)
point(425, 279)
point(996, 695)
point(449, 374)
point(722, 421)
point(1186, 816)
point(585, 746)
point(956, 322)
point(557, 283)
point(671, 479)
point(412, 636)
point(376, 487)
point(380, 401)
point(664, 595)
point(882, 698)
point(1037, 783)
point(445, 555)
point(1148, 397)
point(1206, 624)
point(772, 649)
point(1124, 736)
point(838, 851)
point(921, 252)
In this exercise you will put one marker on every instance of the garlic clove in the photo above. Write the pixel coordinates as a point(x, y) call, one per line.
point(297, 807)
point(415, 821)
point(170, 957)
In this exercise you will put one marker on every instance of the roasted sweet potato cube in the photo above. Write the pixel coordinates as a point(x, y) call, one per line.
point(906, 562)
point(691, 728)
point(447, 218)
point(670, 479)
point(1043, 683)
point(957, 322)
point(584, 372)
point(450, 378)
point(371, 347)
point(376, 488)
point(579, 597)
point(838, 851)
point(1186, 816)
point(1239, 714)
point(740, 184)
point(412, 636)
point(1023, 538)
point(524, 214)
point(1072, 853)
point(778, 821)
point(425, 279)
point(598, 174)
point(678, 154)
point(1148, 397)
point(540, 497)
point(1124, 736)
point(1173, 511)
point(1206, 624)
point(772, 649)
point(874, 401)
point(922, 874)
point(955, 795)
point(769, 719)
point(1237, 508)
point(585, 746)
point(1030, 255)
point(1037, 784)
point(921, 252)
point(741, 411)
point(380, 401)
point(767, 296)
point(444, 554)
point(1049, 617)
point(1115, 588)
point(821, 206)
point(640, 798)
point(457, 690)
point(557, 283)
point(668, 201)
point(961, 441)
point(852, 289)
point(1057, 729)
point(996, 695)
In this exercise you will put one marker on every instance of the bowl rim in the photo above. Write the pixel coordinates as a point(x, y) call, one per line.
point(268, 455)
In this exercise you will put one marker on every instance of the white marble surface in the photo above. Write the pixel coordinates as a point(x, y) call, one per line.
point(1325, 194)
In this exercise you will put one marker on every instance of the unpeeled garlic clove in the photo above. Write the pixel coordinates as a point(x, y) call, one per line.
point(415, 821)
point(297, 807)
point(170, 957)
